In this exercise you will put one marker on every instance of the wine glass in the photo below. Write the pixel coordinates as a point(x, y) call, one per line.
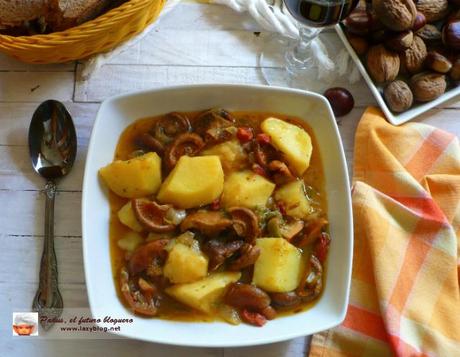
point(300, 64)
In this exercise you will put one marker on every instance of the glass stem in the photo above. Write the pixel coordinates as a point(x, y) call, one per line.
point(300, 56)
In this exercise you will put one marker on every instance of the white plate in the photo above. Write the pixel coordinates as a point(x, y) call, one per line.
point(393, 118)
point(117, 113)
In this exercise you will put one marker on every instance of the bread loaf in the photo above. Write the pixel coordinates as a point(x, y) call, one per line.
point(32, 16)
point(15, 12)
point(64, 14)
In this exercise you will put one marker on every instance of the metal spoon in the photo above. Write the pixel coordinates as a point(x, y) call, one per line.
point(52, 148)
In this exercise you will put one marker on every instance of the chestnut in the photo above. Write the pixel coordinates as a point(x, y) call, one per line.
point(451, 35)
point(341, 100)
point(454, 73)
point(359, 44)
point(455, 15)
point(420, 21)
point(359, 22)
point(454, 2)
point(437, 62)
point(377, 37)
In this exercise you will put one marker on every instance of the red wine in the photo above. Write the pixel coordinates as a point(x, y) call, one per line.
point(320, 13)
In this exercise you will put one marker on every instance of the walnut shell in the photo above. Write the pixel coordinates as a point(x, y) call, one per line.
point(428, 86)
point(433, 10)
point(414, 57)
point(429, 34)
point(382, 64)
point(400, 41)
point(398, 96)
point(397, 15)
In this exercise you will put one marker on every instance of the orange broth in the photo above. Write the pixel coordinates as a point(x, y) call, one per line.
point(171, 309)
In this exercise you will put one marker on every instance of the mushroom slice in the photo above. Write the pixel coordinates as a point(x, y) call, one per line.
point(246, 296)
point(209, 223)
point(274, 227)
point(171, 125)
point(148, 255)
point(218, 251)
point(151, 215)
point(288, 299)
point(211, 125)
point(311, 283)
point(280, 171)
point(264, 154)
point(141, 301)
point(311, 232)
point(147, 142)
point(185, 144)
point(245, 223)
point(147, 288)
point(248, 256)
point(291, 229)
point(277, 227)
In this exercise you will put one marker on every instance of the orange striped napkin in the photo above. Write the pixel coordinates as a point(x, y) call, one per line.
point(405, 295)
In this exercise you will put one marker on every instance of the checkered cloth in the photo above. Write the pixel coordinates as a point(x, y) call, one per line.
point(405, 296)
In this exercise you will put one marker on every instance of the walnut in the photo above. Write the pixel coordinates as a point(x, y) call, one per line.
point(397, 15)
point(400, 41)
point(414, 57)
point(429, 34)
point(382, 64)
point(428, 86)
point(398, 96)
point(433, 10)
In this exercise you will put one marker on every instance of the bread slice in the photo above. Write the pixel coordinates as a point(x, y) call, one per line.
point(15, 13)
point(69, 13)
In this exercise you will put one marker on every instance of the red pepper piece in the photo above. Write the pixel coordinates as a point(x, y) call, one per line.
point(322, 247)
point(215, 205)
point(253, 318)
point(244, 134)
point(263, 139)
point(281, 208)
point(259, 170)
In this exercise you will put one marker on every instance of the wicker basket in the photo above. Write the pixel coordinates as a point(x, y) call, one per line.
point(95, 36)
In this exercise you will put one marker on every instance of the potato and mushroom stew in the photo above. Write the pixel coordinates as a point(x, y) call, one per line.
point(217, 215)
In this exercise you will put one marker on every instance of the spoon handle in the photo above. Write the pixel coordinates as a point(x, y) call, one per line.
point(48, 299)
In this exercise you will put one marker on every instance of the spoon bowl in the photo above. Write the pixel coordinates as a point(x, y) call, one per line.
point(52, 140)
point(52, 149)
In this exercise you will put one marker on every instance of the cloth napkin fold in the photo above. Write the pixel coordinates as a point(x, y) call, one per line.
point(405, 295)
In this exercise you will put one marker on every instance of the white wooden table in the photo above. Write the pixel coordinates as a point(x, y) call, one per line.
point(195, 43)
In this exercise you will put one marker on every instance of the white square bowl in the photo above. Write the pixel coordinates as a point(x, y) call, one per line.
point(117, 113)
point(393, 118)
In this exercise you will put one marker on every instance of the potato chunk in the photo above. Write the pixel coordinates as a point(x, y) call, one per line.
point(292, 141)
point(130, 241)
point(231, 155)
point(127, 217)
point(134, 178)
point(204, 294)
point(294, 199)
point(279, 266)
point(246, 189)
point(185, 264)
point(194, 181)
